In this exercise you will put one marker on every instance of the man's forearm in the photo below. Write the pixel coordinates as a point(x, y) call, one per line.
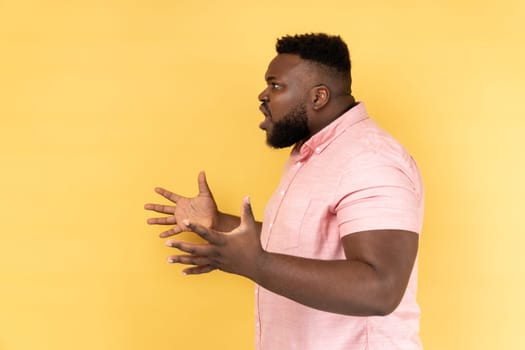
point(348, 287)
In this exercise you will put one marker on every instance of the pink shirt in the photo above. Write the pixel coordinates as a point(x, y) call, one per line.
point(349, 177)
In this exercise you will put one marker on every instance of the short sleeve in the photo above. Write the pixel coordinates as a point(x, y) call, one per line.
point(380, 193)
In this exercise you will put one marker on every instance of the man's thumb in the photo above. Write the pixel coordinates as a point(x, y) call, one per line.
point(203, 184)
point(247, 212)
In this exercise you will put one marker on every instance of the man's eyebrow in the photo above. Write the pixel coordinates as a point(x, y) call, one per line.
point(271, 77)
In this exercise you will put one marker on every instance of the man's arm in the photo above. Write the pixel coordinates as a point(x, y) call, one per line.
point(370, 281)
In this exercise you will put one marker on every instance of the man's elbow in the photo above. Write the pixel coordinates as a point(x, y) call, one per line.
point(386, 309)
point(387, 302)
point(382, 303)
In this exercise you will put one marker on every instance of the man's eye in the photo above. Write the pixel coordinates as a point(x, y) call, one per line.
point(275, 85)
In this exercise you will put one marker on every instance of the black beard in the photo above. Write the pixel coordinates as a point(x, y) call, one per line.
point(291, 129)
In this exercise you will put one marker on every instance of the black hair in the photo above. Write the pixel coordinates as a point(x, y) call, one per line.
point(328, 50)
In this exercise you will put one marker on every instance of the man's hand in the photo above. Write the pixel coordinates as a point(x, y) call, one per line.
point(201, 209)
point(238, 251)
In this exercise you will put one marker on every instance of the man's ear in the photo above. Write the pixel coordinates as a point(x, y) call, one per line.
point(319, 96)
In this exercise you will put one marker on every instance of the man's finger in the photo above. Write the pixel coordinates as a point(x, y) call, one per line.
point(247, 218)
point(160, 208)
point(206, 233)
point(197, 270)
point(189, 260)
point(171, 232)
point(167, 194)
point(193, 248)
point(170, 220)
point(203, 184)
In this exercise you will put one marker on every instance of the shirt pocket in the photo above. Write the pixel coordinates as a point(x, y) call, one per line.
point(285, 231)
point(317, 229)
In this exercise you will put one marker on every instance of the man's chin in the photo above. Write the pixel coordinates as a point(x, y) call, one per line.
point(277, 144)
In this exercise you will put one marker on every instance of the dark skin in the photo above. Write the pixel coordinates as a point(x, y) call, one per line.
point(371, 280)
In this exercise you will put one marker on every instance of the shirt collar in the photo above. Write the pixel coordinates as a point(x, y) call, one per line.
point(319, 141)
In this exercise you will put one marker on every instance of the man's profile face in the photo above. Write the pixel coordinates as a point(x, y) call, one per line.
point(283, 101)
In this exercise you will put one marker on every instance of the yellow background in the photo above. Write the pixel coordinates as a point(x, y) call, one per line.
point(100, 101)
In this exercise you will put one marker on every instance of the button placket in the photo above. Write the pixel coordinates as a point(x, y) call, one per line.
point(284, 186)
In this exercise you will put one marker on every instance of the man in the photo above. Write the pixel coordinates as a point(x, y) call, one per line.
point(334, 257)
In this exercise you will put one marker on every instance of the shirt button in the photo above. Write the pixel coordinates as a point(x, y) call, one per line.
point(298, 164)
point(282, 192)
point(318, 150)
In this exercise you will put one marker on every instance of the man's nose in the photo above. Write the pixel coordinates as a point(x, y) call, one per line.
point(263, 96)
